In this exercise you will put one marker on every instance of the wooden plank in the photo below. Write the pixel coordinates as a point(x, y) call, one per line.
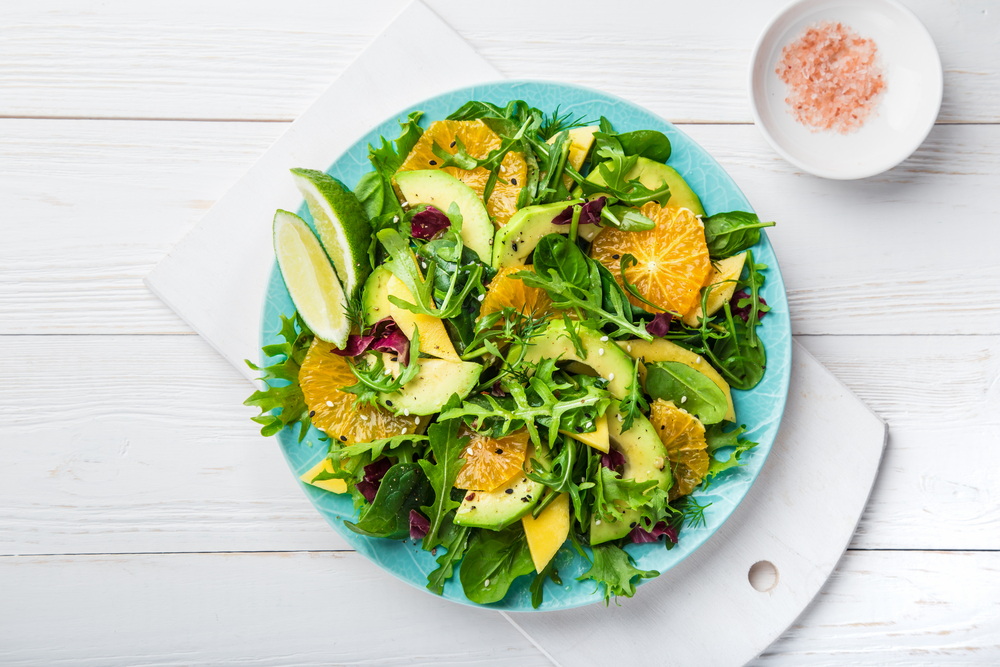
point(884, 609)
point(141, 444)
point(219, 61)
point(107, 199)
point(262, 609)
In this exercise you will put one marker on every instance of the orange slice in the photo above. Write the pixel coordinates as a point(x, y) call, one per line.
point(504, 291)
point(673, 258)
point(490, 462)
point(479, 140)
point(321, 377)
point(684, 438)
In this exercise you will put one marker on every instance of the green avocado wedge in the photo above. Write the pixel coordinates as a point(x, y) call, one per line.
point(497, 509)
point(375, 295)
point(433, 385)
point(517, 239)
point(437, 188)
point(652, 174)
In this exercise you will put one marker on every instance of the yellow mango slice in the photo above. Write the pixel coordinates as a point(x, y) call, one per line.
point(334, 485)
point(724, 276)
point(434, 339)
point(548, 532)
point(664, 350)
point(598, 438)
point(581, 139)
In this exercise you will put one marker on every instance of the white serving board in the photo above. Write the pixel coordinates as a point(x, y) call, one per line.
point(799, 515)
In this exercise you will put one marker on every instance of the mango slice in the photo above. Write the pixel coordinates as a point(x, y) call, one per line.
point(548, 532)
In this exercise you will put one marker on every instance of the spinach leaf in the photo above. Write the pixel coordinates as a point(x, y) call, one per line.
point(688, 389)
point(739, 361)
point(556, 252)
point(615, 568)
point(403, 488)
point(646, 143)
point(492, 563)
point(466, 271)
point(454, 538)
point(447, 449)
point(729, 233)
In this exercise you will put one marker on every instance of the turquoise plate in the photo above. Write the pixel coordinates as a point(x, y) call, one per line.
point(760, 409)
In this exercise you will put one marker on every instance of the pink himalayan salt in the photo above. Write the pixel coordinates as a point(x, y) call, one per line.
point(833, 79)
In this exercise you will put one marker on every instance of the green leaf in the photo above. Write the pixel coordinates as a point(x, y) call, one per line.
point(538, 584)
point(447, 449)
point(612, 494)
point(626, 219)
point(615, 568)
point(574, 337)
point(492, 563)
point(634, 403)
point(403, 488)
point(646, 143)
point(455, 539)
point(727, 234)
point(283, 405)
point(376, 447)
point(688, 389)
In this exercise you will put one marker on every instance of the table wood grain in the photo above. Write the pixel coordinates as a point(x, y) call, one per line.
point(142, 519)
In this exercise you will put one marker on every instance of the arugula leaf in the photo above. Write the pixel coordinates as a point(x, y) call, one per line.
point(492, 563)
point(373, 380)
point(447, 449)
point(283, 405)
point(635, 400)
point(375, 447)
point(732, 232)
point(538, 584)
point(626, 219)
point(615, 568)
point(574, 337)
point(403, 488)
point(455, 539)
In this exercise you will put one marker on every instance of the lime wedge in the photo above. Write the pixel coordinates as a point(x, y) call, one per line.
point(310, 279)
point(341, 223)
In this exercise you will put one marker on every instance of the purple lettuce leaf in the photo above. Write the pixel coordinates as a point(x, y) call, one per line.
point(640, 536)
point(589, 215)
point(744, 311)
point(613, 459)
point(385, 336)
point(419, 525)
point(660, 324)
point(374, 472)
point(428, 223)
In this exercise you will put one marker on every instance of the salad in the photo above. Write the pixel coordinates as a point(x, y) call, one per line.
point(518, 334)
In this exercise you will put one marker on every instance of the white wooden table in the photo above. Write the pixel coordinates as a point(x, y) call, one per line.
point(144, 521)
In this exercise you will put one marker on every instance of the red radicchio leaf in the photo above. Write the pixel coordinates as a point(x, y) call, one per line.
point(497, 390)
point(640, 536)
point(374, 472)
point(660, 324)
point(419, 525)
point(589, 215)
point(385, 336)
point(427, 223)
point(613, 459)
point(744, 311)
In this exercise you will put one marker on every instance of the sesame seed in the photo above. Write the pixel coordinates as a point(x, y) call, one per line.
point(329, 404)
point(395, 218)
point(509, 491)
point(597, 522)
point(487, 583)
point(388, 404)
point(312, 413)
point(698, 360)
point(499, 451)
point(684, 399)
point(406, 412)
point(364, 417)
point(620, 418)
point(433, 161)
point(417, 421)
point(628, 347)
point(604, 339)
point(387, 372)
point(453, 144)
point(611, 376)
point(615, 256)
point(343, 438)
point(600, 351)
point(480, 297)
point(513, 181)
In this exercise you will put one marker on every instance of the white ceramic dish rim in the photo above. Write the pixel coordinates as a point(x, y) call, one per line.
point(836, 174)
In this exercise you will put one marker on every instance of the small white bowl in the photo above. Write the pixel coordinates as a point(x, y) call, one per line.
point(904, 115)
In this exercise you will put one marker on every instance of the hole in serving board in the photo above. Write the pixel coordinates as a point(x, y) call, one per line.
point(763, 576)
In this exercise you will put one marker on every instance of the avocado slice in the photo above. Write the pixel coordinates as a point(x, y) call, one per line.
point(375, 296)
point(437, 380)
point(517, 239)
point(500, 507)
point(652, 174)
point(437, 188)
point(604, 356)
point(645, 459)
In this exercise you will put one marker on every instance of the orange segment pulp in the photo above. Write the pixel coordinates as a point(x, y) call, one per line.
point(504, 291)
point(490, 462)
point(478, 140)
point(321, 377)
point(673, 258)
point(684, 438)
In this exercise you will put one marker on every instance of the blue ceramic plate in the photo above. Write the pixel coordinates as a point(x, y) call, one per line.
point(760, 409)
